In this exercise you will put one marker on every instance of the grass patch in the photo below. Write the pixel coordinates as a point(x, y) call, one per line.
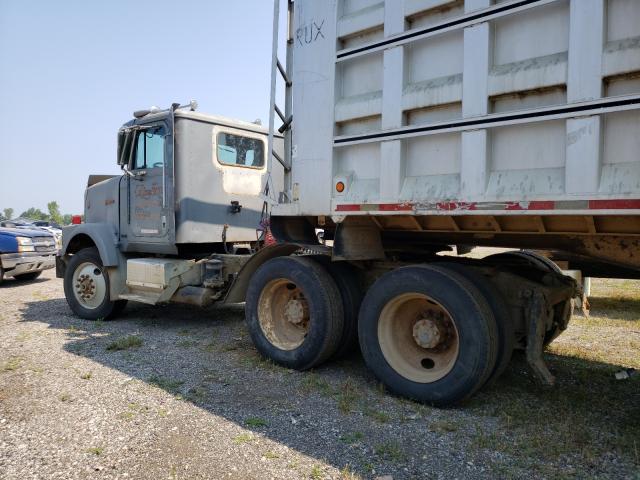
point(186, 343)
point(95, 450)
point(125, 343)
point(314, 383)
point(351, 438)
point(347, 474)
point(86, 376)
point(390, 451)
point(271, 455)
point(243, 438)
point(378, 415)
point(65, 397)
point(168, 384)
point(14, 363)
point(347, 396)
point(316, 473)
point(444, 426)
point(256, 422)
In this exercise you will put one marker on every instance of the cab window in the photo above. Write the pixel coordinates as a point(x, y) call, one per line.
point(150, 149)
point(237, 150)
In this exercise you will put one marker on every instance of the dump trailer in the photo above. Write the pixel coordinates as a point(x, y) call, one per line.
point(408, 127)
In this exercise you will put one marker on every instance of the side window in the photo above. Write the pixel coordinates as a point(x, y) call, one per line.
point(240, 151)
point(149, 149)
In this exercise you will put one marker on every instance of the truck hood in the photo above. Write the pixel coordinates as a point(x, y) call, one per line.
point(24, 232)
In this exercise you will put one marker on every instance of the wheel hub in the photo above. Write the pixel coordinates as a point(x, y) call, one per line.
point(296, 311)
point(428, 333)
point(86, 286)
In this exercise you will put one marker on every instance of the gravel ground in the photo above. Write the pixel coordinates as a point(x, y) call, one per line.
point(176, 392)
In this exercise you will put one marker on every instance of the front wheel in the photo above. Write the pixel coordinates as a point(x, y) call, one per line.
point(87, 289)
point(428, 334)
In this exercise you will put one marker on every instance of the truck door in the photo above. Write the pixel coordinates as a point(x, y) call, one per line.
point(149, 214)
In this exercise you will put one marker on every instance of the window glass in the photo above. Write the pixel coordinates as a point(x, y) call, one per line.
point(150, 149)
point(240, 151)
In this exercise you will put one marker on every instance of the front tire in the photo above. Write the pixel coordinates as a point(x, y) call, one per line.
point(294, 312)
point(428, 334)
point(87, 287)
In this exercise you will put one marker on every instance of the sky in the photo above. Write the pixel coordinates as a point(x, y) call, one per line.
point(72, 72)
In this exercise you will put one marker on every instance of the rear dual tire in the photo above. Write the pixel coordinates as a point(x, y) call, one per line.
point(429, 334)
point(294, 312)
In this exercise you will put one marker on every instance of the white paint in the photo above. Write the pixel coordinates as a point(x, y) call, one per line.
point(545, 54)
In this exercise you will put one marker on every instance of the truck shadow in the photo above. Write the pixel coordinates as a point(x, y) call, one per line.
point(339, 413)
point(9, 283)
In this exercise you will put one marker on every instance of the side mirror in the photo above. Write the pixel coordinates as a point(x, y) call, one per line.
point(125, 142)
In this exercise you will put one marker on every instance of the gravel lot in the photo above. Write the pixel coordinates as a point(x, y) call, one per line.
point(180, 393)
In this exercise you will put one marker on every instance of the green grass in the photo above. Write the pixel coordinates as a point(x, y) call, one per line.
point(314, 383)
point(243, 438)
point(390, 451)
point(256, 422)
point(348, 395)
point(316, 473)
point(86, 376)
point(96, 450)
point(378, 415)
point(169, 384)
point(125, 343)
point(271, 455)
point(351, 438)
point(12, 364)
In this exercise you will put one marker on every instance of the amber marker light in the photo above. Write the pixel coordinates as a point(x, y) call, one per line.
point(340, 187)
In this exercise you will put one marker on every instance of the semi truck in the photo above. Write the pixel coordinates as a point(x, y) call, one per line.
point(408, 127)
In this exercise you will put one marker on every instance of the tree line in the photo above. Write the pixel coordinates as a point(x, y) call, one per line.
point(52, 215)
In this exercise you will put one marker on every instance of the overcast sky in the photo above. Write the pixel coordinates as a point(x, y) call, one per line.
point(71, 72)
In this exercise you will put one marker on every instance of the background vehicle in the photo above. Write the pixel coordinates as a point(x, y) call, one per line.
point(406, 129)
point(24, 253)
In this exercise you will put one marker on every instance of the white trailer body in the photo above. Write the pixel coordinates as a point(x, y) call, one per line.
point(467, 108)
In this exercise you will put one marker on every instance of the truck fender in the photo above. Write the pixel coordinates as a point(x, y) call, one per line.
point(238, 289)
point(99, 235)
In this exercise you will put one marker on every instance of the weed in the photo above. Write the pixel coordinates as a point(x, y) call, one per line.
point(271, 455)
point(12, 364)
point(390, 451)
point(256, 422)
point(377, 415)
point(197, 394)
point(347, 474)
point(316, 473)
point(186, 343)
point(351, 438)
point(443, 426)
point(65, 397)
point(170, 385)
point(243, 438)
point(312, 382)
point(86, 376)
point(95, 450)
point(347, 396)
point(125, 343)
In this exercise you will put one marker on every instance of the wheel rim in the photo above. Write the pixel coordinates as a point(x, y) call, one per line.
point(418, 337)
point(89, 285)
point(283, 314)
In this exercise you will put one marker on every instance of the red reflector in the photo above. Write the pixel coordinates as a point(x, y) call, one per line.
point(76, 219)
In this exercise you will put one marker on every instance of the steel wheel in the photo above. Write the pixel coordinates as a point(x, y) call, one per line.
point(418, 337)
point(283, 314)
point(294, 312)
point(89, 286)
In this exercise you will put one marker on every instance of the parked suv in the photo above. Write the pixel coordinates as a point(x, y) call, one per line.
point(25, 253)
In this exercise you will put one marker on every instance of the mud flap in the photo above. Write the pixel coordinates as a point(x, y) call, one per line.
point(536, 314)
